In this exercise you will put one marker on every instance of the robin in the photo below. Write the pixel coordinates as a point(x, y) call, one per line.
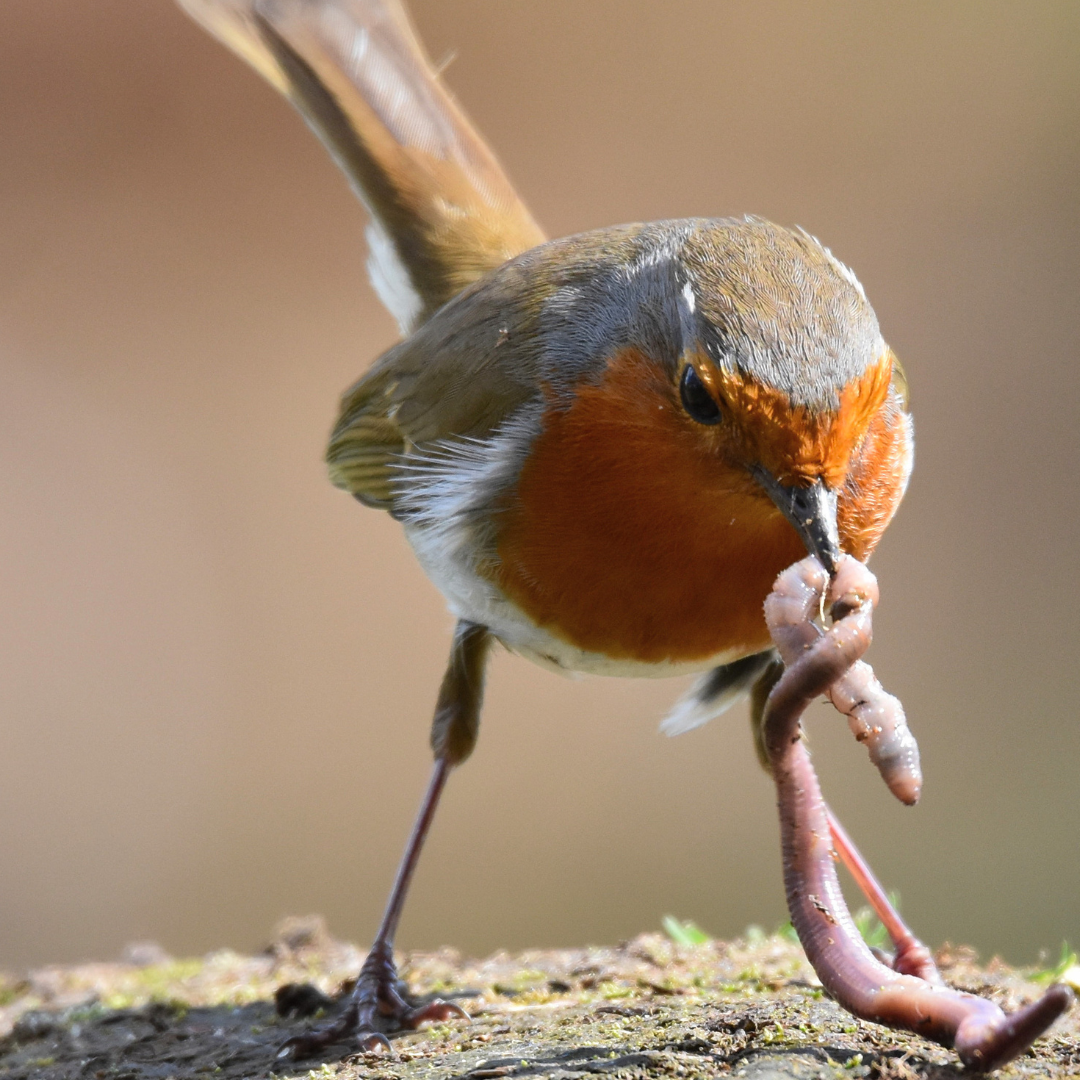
point(603, 449)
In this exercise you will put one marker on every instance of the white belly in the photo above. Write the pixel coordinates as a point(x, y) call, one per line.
point(470, 596)
point(445, 498)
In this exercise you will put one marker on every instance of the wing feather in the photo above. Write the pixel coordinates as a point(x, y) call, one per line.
point(715, 692)
point(447, 381)
point(467, 372)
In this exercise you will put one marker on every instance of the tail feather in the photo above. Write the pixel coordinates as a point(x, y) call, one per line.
point(443, 212)
point(715, 692)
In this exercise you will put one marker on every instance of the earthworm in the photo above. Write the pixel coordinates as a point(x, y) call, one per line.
point(819, 661)
point(875, 717)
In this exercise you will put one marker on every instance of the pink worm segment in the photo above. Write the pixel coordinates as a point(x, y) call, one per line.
point(820, 662)
point(875, 717)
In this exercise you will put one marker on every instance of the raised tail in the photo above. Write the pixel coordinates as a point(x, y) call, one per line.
point(443, 212)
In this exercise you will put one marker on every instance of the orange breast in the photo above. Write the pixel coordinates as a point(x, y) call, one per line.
point(625, 536)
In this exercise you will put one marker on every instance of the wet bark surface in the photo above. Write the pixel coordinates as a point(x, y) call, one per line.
point(647, 1008)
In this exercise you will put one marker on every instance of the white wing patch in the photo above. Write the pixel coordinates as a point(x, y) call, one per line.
point(690, 711)
point(444, 493)
point(716, 692)
point(390, 279)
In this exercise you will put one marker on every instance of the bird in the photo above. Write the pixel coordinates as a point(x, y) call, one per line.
point(603, 448)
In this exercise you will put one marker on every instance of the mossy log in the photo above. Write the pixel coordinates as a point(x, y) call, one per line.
point(646, 1008)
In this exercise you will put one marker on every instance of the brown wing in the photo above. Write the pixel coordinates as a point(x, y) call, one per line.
point(468, 371)
point(443, 211)
point(458, 377)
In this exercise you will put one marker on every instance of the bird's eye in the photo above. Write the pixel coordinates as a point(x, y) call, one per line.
point(697, 401)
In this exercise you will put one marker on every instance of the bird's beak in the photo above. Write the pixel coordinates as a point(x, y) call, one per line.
point(812, 510)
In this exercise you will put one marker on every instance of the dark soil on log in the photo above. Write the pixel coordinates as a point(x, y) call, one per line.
point(646, 1008)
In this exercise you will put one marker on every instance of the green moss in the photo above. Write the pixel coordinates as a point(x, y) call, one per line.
point(10, 992)
point(156, 983)
point(685, 932)
point(694, 1011)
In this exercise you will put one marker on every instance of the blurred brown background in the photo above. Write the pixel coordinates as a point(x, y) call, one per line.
point(216, 672)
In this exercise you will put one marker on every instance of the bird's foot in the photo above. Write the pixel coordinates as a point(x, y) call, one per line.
point(378, 1004)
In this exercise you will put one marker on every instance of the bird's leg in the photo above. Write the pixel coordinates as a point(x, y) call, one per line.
point(984, 1037)
point(380, 1001)
point(910, 955)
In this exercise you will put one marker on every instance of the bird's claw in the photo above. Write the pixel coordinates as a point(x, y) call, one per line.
point(347, 1028)
point(437, 1010)
point(379, 1003)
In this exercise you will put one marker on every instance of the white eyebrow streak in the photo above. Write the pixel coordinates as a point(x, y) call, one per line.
point(688, 296)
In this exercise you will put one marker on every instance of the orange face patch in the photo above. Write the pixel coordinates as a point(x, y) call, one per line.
point(863, 449)
point(630, 536)
point(793, 443)
point(876, 480)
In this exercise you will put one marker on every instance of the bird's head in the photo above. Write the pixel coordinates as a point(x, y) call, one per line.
point(786, 379)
